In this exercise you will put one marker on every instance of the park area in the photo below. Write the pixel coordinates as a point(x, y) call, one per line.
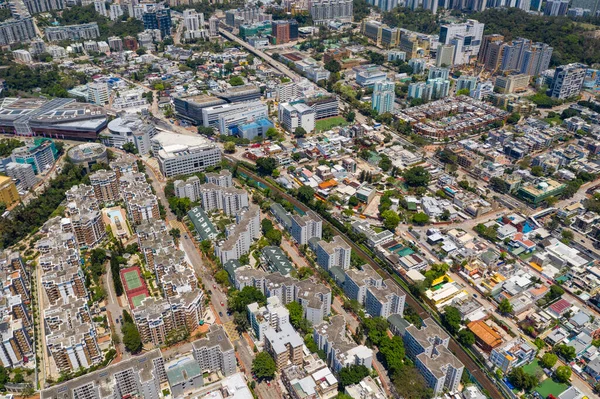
point(328, 123)
point(135, 287)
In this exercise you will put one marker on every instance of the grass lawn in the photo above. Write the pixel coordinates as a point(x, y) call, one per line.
point(326, 124)
point(556, 120)
point(548, 387)
point(533, 368)
point(377, 229)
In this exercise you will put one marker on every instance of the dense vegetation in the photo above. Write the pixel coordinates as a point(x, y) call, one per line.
point(84, 14)
point(360, 9)
point(419, 20)
point(569, 39)
point(4, 14)
point(29, 218)
point(8, 145)
point(51, 81)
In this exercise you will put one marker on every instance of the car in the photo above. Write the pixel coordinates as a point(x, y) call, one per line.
point(582, 240)
point(220, 314)
point(103, 308)
point(222, 304)
point(214, 286)
point(185, 236)
point(475, 295)
point(117, 321)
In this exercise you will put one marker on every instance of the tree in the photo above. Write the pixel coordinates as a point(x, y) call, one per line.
point(451, 319)
point(385, 163)
point(499, 185)
point(238, 300)
point(222, 277)
point(306, 194)
point(333, 66)
point(420, 218)
point(565, 351)
point(352, 375)
point(175, 233)
point(390, 220)
point(350, 115)
point(241, 321)
point(563, 374)
point(272, 133)
point(296, 313)
point(466, 337)
point(505, 307)
point(556, 291)
point(266, 225)
point(416, 176)
point(513, 119)
point(140, 51)
point(392, 350)
point(548, 360)
point(229, 147)
point(411, 383)
point(463, 92)
point(567, 235)
point(206, 131)
point(264, 366)
point(266, 165)
point(129, 147)
point(353, 201)
point(521, 380)
point(537, 171)
point(131, 338)
point(299, 132)
point(274, 236)
point(236, 81)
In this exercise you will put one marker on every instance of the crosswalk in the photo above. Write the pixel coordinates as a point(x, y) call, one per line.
point(231, 331)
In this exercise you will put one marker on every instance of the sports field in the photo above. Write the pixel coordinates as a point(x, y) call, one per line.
point(137, 300)
point(328, 123)
point(548, 387)
point(135, 288)
point(132, 280)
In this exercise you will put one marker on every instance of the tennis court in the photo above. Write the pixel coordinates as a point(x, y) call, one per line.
point(137, 300)
point(132, 280)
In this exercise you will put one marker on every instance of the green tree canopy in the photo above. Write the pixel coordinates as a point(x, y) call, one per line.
point(563, 374)
point(240, 299)
point(390, 220)
point(306, 194)
point(505, 307)
point(352, 375)
point(264, 366)
point(416, 176)
point(131, 338)
point(548, 360)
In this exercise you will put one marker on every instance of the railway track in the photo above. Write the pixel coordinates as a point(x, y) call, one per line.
point(476, 371)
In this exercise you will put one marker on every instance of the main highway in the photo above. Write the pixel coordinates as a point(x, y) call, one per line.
point(475, 370)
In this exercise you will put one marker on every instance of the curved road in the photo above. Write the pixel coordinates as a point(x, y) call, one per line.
point(460, 353)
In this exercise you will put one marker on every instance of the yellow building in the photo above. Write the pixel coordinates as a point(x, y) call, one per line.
point(8, 191)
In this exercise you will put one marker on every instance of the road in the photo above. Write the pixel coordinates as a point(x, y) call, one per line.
point(115, 310)
point(218, 301)
point(470, 365)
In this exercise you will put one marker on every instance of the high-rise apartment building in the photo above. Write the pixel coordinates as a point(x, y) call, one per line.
point(17, 31)
point(568, 81)
point(158, 18)
point(38, 6)
point(22, 173)
point(306, 227)
point(8, 191)
point(427, 347)
point(106, 185)
point(333, 254)
point(324, 11)
point(384, 94)
point(384, 5)
point(466, 38)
